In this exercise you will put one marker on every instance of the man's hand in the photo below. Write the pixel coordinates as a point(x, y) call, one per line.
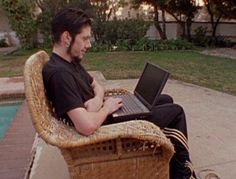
point(112, 104)
point(94, 104)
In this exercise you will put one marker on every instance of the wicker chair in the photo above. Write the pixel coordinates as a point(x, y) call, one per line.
point(133, 149)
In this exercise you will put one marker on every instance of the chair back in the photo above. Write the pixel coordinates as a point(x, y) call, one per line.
point(39, 107)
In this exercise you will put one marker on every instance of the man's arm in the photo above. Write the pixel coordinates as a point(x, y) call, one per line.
point(87, 122)
point(95, 104)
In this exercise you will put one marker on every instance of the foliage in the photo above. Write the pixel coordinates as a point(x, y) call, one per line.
point(129, 29)
point(226, 7)
point(219, 9)
point(160, 4)
point(22, 20)
point(219, 41)
point(202, 39)
point(182, 10)
point(143, 44)
point(3, 43)
point(215, 15)
point(185, 8)
point(48, 10)
point(120, 34)
point(97, 9)
point(200, 36)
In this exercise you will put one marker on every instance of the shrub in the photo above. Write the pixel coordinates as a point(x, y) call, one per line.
point(3, 43)
point(202, 39)
point(200, 36)
point(143, 44)
point(101, 47)
point(21, 20)
point(219, 41)
point(129, 29)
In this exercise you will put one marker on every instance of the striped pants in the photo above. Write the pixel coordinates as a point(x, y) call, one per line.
point(171, 119)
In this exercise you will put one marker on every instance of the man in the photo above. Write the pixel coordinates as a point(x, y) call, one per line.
point(79, 99)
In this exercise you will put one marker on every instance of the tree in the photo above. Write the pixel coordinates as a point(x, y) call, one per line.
point(218, 9)
point(227, 8)
point(215, 15)
point(101, 11)
point(156, 4)
point(183, 11)
point(20, 14)
point(104, 11)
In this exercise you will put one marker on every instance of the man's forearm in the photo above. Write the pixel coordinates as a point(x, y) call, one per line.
point(87, 122)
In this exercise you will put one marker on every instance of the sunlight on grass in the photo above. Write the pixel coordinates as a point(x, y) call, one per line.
point(213, 72)
point(189, 66)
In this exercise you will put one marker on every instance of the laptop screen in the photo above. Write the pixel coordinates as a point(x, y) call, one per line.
point(151, 83)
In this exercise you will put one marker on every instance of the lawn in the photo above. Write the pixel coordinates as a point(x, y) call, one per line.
point(13, 64)
point(189, 66)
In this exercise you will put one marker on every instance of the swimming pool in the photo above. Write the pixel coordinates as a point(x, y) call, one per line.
point(7, 114)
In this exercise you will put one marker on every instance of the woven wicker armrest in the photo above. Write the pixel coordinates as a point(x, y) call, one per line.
point(65, 136)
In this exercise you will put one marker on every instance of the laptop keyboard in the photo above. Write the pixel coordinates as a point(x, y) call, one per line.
point(131, 105)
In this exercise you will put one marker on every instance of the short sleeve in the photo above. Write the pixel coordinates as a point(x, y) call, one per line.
point(90, 78)
point(64, 93)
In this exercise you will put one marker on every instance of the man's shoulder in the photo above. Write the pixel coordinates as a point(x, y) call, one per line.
point(54, 68)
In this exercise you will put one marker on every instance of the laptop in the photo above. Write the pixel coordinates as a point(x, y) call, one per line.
point(145, 96)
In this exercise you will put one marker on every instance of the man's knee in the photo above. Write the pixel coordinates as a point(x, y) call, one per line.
point(164, 99)
point(179, 109)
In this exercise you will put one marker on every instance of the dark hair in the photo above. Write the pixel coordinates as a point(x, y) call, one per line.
point(71, 20)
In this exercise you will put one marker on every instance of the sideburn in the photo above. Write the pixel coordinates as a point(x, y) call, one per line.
point(71, 44)
point(69, 50)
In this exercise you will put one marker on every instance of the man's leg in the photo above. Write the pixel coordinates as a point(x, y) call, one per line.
point(171, 119)
point(164, 99)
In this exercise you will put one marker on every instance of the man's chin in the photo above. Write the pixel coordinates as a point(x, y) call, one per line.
point(78, 59)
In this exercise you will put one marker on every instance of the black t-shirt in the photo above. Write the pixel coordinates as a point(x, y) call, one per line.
point(68, 85)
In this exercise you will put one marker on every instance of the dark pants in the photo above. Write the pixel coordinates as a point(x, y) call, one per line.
point(171, 119)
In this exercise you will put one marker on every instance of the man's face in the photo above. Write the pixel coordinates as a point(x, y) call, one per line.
point(81, 44)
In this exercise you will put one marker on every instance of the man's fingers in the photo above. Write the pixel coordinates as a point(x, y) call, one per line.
point(119, 100)
point(86, 104)
point(120, 105)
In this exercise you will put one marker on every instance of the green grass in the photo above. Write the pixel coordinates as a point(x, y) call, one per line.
point(13, 64)
point(189, 66)
point(212, 72)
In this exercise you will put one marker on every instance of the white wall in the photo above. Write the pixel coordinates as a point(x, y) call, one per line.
point(225, 29)
point(171, 31)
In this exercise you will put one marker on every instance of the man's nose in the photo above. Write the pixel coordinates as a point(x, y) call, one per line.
point(88, 45)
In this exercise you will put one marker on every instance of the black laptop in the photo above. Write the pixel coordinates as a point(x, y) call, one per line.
point(146, 93)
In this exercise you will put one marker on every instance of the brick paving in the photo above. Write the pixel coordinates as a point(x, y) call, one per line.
point(16, 147)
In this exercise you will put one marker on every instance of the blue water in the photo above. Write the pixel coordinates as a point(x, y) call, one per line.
point(7, 114)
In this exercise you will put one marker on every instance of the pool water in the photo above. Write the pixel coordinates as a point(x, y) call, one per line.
point(7, 114)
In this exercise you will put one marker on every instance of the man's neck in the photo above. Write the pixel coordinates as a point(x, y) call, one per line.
point(62, 53)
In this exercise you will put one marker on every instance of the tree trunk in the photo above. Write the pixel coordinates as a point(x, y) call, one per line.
point(157, 23)
point(164, 23)
point(214, 27)
point(182, 24)
point(189, 23)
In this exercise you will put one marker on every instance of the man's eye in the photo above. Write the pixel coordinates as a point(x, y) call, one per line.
point(86, 38)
